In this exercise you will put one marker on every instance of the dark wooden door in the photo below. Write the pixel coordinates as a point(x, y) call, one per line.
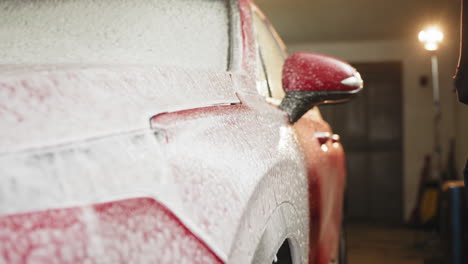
point(371, 130)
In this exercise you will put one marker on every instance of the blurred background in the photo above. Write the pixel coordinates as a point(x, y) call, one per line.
point(388, 130)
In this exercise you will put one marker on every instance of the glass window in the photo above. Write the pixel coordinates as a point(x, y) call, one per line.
point(262, 84)
point(272, 54)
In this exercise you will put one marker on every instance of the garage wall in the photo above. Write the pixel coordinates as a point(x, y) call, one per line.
point(417, 100)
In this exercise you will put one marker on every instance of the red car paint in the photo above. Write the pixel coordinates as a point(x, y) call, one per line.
point(98, 233)
point(65, 230)
point(300, 71)
point(326, 171)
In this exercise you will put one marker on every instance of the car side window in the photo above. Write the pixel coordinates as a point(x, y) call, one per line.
point(272, 54)
point(262, 83)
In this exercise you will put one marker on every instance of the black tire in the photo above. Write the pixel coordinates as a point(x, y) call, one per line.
point(284, 254)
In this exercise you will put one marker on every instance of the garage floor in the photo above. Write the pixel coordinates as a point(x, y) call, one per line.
point(370, 244)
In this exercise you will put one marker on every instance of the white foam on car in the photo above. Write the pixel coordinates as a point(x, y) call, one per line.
point(47, 106)
point(193, 33)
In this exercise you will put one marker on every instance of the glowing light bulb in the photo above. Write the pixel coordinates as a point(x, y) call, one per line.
point(431, 46)
point(431, 37)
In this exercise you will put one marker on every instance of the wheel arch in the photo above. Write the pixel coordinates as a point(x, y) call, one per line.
point(278, 210)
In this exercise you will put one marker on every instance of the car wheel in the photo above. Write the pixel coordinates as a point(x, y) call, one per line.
point(279, 242)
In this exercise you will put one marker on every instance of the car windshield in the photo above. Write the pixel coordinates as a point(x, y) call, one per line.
point(188, 33)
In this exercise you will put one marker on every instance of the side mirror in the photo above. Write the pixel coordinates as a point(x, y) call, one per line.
point(311, 79)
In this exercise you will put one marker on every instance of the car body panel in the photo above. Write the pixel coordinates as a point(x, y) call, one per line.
point(255, 167)
point(164, 164)
point(48, 105)
point(326, 179)
point(138, 230)
point(207, 149)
